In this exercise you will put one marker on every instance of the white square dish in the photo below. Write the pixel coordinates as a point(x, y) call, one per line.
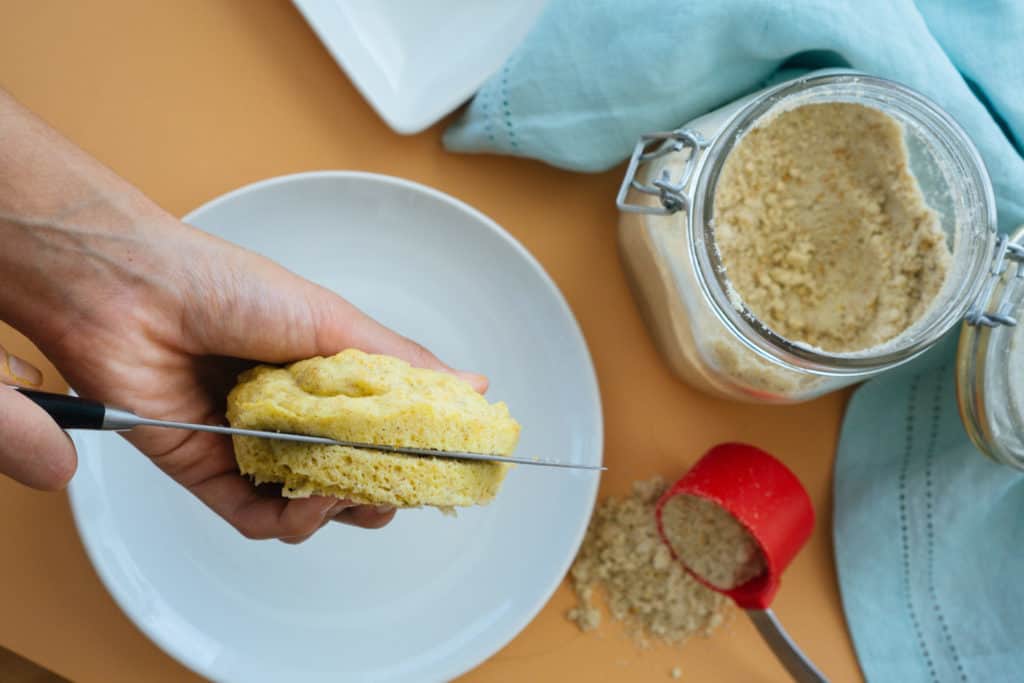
point(417, 60)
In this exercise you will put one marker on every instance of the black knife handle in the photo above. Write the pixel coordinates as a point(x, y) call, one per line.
point(69, 412)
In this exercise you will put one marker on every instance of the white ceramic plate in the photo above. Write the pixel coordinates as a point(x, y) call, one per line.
point(428, 597)
point(417, 60)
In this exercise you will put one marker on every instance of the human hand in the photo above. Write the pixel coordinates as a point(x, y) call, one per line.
point(142, 312)
point(178, 321)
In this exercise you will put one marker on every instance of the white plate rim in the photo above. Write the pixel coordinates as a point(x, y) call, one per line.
point(169, 646)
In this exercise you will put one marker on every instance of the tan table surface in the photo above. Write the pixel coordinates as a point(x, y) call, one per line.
point(191, 99)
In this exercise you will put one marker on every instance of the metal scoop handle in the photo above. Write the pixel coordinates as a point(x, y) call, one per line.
point(796, 662)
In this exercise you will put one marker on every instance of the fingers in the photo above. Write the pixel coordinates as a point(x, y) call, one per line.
point(346, 512)
point(205, 465)
point(366, 516)
point(480, 383)
point(341, 326)
point(292, 521)
point(257, 517)
point(259, 311)
point(337, 507)
point(33, 449)
point(305, 519)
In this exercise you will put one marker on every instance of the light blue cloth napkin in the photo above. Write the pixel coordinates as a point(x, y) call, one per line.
point(929, 535)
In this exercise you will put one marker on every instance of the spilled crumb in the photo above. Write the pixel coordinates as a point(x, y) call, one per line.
point(676, 673)
point(648, 591)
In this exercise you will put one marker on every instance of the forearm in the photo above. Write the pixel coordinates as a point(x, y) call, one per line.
point(73, 233)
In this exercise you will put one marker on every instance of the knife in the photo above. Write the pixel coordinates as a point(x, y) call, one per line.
point(72, 412)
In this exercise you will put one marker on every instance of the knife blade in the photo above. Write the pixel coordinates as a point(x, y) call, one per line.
point(73, 412)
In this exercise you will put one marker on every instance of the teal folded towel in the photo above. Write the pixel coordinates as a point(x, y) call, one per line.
point(929, 535)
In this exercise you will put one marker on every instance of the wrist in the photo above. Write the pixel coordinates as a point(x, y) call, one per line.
point(63, 265)
point(72, 232)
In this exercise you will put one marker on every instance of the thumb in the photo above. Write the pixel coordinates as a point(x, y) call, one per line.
point(341, 325)
point(33, 449)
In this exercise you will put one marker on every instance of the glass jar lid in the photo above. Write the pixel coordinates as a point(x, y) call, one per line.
point(990, 359)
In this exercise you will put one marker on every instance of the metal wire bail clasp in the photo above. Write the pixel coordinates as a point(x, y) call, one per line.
point(668, 191)
point(1005, 252)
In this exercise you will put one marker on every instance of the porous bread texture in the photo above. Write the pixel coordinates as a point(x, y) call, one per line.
point(355, 396)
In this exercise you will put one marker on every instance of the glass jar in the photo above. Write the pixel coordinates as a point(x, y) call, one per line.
point(990, 361)
point(667, 243)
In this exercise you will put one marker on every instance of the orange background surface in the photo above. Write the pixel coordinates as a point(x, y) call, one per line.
point(190, 99)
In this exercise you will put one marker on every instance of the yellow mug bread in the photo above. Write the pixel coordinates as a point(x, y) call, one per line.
point(355, 396)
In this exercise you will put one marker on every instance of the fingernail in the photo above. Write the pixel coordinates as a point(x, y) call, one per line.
point(473, 378)
point(383, 509)
point(338, 506)
point(23, 372)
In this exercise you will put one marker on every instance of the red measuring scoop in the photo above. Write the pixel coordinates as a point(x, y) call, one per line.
point(769, 501)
